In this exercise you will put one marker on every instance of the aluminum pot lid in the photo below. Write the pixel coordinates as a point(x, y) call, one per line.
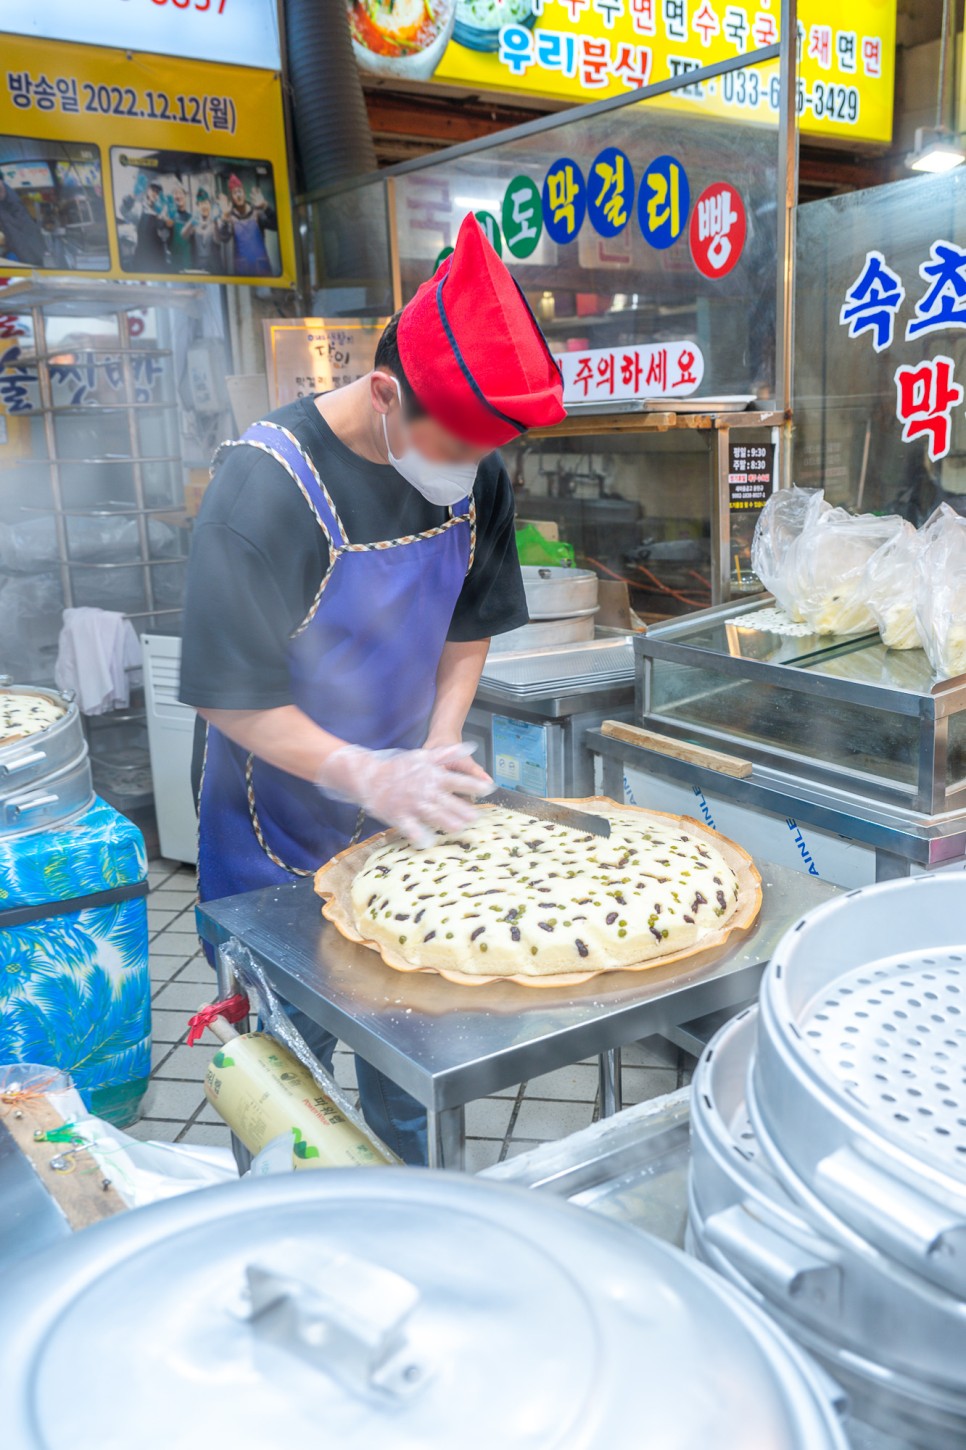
point(392, 1308)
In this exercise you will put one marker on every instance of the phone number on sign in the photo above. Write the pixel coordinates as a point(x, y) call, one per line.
point(28, 92)
point(825, 99)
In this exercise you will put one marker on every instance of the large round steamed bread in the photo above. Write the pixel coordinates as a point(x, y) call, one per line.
point(514, 896)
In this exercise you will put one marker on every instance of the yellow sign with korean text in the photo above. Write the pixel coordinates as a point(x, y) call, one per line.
point(586, 50)
point(127, 165)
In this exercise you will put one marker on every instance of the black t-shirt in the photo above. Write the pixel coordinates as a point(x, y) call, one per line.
point(258, 556)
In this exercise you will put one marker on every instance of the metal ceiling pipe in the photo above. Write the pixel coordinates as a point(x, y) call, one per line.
point(333, 141)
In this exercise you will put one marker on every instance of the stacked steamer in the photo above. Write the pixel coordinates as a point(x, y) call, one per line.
point(562, 604)
point(73, 923)
point(828, 1177)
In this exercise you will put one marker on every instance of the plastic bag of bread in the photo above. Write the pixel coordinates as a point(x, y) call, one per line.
point(781, 524)
point(891, 587)
point(830, 569)
point(941, 595)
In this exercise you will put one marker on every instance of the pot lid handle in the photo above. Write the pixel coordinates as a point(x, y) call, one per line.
point(346, 1317)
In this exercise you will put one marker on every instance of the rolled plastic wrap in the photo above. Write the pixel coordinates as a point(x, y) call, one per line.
point(262, 1091)
point(277, 1025)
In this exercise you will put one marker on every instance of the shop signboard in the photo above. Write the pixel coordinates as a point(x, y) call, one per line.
point(235, 32)
point(605, 206)
point(127, 165)
point(308, 355)
point(587, 50)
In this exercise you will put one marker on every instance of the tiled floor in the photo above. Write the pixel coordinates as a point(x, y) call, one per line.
point(175, 1108)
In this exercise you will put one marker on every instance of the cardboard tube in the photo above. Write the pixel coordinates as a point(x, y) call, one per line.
point(262, 1091)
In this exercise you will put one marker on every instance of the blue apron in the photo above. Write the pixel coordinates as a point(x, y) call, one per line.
point(362, 665)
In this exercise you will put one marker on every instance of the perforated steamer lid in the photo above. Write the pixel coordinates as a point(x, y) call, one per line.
point(858, 1093)
point(390, 1309)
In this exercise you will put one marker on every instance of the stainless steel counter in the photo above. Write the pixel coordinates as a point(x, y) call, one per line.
point(448, 1045)
point(900, 838)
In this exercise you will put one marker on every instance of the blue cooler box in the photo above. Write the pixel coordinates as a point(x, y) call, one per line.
point(75, 991)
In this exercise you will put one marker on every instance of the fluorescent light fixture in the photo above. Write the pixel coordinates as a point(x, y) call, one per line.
point(936, 151)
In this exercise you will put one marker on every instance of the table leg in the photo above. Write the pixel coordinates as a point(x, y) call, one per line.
point(611, 1097)
point(447, 1137)
point(612, 779)
point(227, 986)
point(889, 867)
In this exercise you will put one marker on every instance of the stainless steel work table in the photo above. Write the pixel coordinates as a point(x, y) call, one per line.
point(448, 1045)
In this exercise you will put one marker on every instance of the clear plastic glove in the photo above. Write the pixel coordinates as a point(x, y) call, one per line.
point(417, 791)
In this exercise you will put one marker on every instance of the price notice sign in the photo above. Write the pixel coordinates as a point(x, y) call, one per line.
point(309, 355)
point(127, 165)
point(584, 50)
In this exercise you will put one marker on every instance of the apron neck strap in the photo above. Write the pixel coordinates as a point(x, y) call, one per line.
point(285, 448)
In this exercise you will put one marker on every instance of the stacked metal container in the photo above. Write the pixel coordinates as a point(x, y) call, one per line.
point(828, 1176)
point(44, 778)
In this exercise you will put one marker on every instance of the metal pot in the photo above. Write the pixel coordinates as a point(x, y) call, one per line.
point(857, 1090)
point(842, 1289)
point(556, 593)
point(393, 1308)
point(545, 634)
point(36, 756)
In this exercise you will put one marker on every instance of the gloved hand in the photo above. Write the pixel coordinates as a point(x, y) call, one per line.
point(418, 791)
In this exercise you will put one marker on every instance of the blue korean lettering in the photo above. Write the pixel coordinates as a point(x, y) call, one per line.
point(943, 304)
point(873, 300)
point(610, 192)
point(564, 200)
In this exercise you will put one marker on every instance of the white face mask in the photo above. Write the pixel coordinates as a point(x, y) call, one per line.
point(439, 483)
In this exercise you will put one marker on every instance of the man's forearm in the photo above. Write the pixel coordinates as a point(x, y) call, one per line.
point(457, 678)
point(285, 737)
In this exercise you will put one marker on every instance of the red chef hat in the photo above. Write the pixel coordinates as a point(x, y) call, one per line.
point(472, 351)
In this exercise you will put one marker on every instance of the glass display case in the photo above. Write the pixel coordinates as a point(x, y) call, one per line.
point(845, 713)
point(648, 486)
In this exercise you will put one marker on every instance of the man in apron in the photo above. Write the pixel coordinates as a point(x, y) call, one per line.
point(354, 554)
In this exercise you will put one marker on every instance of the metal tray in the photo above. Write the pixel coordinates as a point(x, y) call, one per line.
point(597, 661)
point(857, 1093)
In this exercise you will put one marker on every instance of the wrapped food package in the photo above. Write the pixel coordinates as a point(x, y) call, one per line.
point(783, 521)
point(830, 561)
point(891, 585)
point(941, 595)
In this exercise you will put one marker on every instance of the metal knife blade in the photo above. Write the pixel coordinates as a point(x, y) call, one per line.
point(544, 810)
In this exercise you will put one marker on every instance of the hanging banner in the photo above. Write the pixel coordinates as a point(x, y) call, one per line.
point(585, 50)
point(125, 165)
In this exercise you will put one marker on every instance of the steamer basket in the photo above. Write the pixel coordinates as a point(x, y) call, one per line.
point(33, 758)
point(841, 1289)
point(922, 1417)
point(50, 801)
point(858, 1092)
